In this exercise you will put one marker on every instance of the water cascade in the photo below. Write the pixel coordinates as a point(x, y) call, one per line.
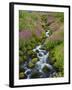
point(42, 55)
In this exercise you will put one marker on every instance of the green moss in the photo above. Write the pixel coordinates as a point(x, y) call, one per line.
point(35, 75)
point(31, 65)
point(45, 69)
point(34, 60)
point(21, 75)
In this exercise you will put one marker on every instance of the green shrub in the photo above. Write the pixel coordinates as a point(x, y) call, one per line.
point(44, 18)
point(30, 52)
point(51, 44)
point(60, 16)
point(27, 20)
point(57, 58)
point(22, 59)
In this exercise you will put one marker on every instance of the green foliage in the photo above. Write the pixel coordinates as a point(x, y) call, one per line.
point(22, 45)
point(31, 21)
point(57, 58)
point(51, 44)
point(27, 20)
point(44, 18)
point(30, 52)
point(59, 16)
point(24, 57)
point(21, 59)
point(21, 53)
point(21, 69)
point(55, 39)
point(26, 49)
point(43, 35)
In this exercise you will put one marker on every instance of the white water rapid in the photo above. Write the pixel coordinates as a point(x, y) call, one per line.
point(42, 55)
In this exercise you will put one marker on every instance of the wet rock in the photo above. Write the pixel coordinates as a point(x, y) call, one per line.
point(40, 55)
point(45, 69)
point(35, 75)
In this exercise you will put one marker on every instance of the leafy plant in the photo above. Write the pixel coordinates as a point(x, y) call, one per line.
point(57, 58)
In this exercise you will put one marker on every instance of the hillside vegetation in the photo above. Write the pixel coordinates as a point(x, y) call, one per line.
point(32, 28)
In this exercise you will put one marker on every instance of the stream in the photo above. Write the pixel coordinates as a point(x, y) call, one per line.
point(42, 55)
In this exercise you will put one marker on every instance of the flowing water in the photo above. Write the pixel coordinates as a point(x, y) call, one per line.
point(42, 55)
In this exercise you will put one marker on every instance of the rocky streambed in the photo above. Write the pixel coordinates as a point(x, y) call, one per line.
point(42, 67)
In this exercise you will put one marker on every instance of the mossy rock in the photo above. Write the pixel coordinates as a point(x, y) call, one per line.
point(34, 60)
point(45, 69)
point(22, 75)
point(35, 75)
point(31, 65)
point(21, 69)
